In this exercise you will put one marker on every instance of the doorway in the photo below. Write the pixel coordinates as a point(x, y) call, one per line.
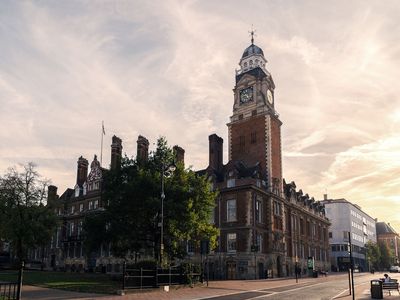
point(230, 270)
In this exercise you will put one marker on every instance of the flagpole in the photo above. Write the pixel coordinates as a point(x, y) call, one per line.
point(101, 150)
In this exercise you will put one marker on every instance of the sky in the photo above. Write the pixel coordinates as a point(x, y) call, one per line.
point(167, 68)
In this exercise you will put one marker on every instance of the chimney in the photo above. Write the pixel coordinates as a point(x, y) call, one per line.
point(179, 154)
point(116, 152)
point(142, 149)
point(325, 196)
point(215, 152)
point(51, 193)
point(82, 171)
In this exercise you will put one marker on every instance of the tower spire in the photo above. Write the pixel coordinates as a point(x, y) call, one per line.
point(252, 33)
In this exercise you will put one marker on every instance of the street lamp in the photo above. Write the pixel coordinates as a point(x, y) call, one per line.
point(166, 171)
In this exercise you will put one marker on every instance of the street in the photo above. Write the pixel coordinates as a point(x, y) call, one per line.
point(334, 286)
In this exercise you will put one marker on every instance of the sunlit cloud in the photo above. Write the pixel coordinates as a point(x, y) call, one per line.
point(167, 68)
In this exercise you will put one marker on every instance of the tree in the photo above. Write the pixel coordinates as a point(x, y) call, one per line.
point(25, 221)
point(386, 257)
point(132, 213)
point(373, 255)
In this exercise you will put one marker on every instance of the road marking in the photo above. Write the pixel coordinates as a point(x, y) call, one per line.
point(296, 289)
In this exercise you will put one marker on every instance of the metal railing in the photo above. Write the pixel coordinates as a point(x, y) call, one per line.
point(8, 290)
point(154, 278)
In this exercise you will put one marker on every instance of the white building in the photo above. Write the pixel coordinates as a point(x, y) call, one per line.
point(348, 217)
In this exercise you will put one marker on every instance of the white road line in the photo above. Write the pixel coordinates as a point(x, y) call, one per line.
point(288, 291)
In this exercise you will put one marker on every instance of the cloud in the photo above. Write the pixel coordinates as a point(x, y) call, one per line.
point(168, 68)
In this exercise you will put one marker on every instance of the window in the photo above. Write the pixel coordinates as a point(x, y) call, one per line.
point(258, 211)
point(231, 210)
point(80, 227)
point(277, 208)
point(253, 137)
point(259, 242)
point(330, 235)
point(230, 183)
point(81, 207)
point(245, 64)
point(72, 226)
point(96, 204)
point(231, 242)
point(212, 216)
point(90, 205)
point(72, 209)
point(77, 190)
point(190, 246)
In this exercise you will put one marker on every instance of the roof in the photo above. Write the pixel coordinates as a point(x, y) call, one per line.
point(252, 49)
point(383, 228)
point(256, 72)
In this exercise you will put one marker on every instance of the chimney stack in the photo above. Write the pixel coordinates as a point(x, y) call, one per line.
point(215, 152)
point(325, 196)
point(116, 152)
point(179, 154)
point(51, 193)
point(142, 149)
point(82, 171)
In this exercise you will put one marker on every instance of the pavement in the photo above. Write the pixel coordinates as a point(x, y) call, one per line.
point(221, 290)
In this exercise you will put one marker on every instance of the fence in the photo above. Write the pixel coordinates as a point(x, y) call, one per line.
point(153, 278)
point(8, 290)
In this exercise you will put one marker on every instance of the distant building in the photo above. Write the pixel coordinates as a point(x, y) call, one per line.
point(386, 234)
point(266, 225)
point(348, 217)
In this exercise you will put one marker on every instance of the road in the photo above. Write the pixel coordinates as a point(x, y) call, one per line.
point(335, 286)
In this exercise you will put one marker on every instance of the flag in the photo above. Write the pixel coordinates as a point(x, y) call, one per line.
point(102, 127)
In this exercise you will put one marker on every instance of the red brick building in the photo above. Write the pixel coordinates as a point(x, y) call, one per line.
point(266, 225)
point(387, 235)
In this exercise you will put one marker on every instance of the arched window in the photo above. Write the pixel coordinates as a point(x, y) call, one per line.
point(245, 64)
point(251, 62)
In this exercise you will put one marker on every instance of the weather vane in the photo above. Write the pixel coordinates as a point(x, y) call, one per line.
point(252, 33)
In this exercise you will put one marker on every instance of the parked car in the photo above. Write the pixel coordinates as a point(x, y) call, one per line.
point(394, 269)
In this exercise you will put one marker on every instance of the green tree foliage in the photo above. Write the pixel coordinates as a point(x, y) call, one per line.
point(25, 221)
point(133, 205)
point(386, 257)
point(373, 255)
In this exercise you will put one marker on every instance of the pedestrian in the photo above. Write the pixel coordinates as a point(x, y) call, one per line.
point(387, 278)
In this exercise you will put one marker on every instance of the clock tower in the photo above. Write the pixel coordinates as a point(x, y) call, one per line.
point(254, 127)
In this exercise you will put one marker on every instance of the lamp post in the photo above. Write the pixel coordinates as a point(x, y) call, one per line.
point(165, 171)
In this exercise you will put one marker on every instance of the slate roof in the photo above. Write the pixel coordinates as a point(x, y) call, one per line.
point(383, 228)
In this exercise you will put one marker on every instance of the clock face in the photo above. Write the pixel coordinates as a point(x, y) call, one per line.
point(246, 95)
point(269, 96)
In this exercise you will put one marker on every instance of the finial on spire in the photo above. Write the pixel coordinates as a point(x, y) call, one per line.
point(252, 33)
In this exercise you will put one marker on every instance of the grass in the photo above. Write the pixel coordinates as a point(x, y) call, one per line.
point(87, 283)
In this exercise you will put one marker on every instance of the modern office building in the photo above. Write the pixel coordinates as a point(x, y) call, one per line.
point(347, 217)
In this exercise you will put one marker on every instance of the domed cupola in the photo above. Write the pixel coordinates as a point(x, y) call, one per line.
point(253, 57)
point(252, 49)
